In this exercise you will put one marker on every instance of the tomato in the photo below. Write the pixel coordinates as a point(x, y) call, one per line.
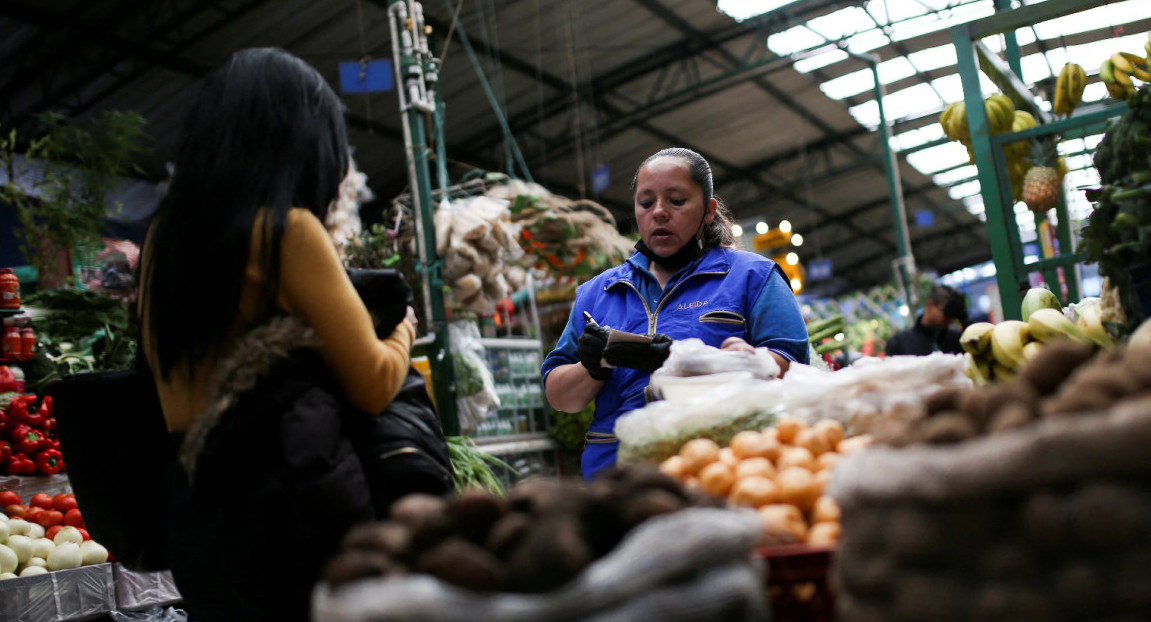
point(16, 511)
point(9, 497)
point(64, 502)
point(73, 518)
point(52, 531)
point(84, 533)
point(32, 514)
point(50, 518)
point(41, 500)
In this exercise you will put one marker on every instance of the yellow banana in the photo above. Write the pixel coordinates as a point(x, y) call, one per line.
point(1007, 339)
point(1138, 66)
point(1119, 62)
point(1059, 105)
point(1090, 322)
point(1023, 119)
point(1031, 349)
point(1076, 82)
point(977, 371)
point(947, 118)
point(1122, 77)
point(976, 338)
point(1118, 91)
point(1000, 113)
point(958, 122)
point(1050, 324)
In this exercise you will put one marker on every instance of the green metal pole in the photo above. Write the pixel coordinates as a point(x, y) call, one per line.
point(997, 208)
point(1010, 42)
point(410, 76)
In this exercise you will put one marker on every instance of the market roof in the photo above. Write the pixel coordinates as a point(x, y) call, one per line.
point(785, 115)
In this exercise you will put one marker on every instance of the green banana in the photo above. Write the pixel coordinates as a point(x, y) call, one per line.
point(1007, 339)
point(1038, 298)
point(1107, 72)
point(976, 338)
point(1049, 324)
point(976, 370)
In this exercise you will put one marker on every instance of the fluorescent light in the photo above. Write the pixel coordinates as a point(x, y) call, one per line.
point(761, 227)
point(796, 239)
point(785, 226)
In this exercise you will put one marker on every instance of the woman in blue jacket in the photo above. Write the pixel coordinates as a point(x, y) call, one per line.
point(686, 279)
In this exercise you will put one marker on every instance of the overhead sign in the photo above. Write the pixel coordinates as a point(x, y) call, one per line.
point(819, 269)
point(373, 76)
point(600, 178)
point(924, 218)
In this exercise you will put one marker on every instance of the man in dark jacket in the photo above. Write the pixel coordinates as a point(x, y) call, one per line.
point(935, 330)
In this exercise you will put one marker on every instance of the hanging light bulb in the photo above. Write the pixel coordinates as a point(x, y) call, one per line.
point(796, 239)
point(796, 285)
point(737, 231)
point(785, 226)
point(792, 259)
point(761, 227)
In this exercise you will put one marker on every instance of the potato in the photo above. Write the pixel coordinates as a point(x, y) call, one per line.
point(854, 443)
point(797, 486)
point(674, 466)
point(827, 461)
point(782, 524)
point(390, 538)
point(716, 479)
point(824, 534)
point(812, 440)
point(698, 453)
point(462, 563)
point(787, 428)
point(796, 457)
point(728, 457)
point(754, 492)
point(750, 444)
point(757, 466)
point(551, 554)
point(826, 510)
point(831, 429)
point(353, 565)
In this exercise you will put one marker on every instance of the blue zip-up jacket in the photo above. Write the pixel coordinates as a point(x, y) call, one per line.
point(724, 293)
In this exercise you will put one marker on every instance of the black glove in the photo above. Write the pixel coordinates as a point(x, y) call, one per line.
point(590, 347)
point(385, 293)
point(643, 356)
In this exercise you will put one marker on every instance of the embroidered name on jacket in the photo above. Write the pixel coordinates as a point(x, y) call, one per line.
point(692, 305)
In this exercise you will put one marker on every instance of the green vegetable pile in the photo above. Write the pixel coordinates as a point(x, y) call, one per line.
point(78, 330)
point(473, 466)
point(570, 429)
point(1118, 233)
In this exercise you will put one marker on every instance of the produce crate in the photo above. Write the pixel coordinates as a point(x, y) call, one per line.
point(797, 582)
point(142, 590)
point(1050, 522)
point(77, 594)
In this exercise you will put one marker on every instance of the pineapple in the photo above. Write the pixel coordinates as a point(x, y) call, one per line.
point(1043, 181)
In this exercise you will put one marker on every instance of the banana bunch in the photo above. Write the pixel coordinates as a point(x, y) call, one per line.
point(1117, 71)
point(1017, 153)
point(996, 352)
point(1069, 89)
point(1001, 118)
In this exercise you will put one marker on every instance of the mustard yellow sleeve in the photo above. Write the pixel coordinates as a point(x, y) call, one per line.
point(314, 285)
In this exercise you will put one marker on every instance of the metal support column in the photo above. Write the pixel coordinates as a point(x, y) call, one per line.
point(417, 97)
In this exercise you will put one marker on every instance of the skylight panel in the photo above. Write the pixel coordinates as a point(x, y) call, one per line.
point(965, 189)
point(954, 175)
point(887, 11)
point(1036, 67)
point(914, 138)
point(857, 82)
point(938, 158)
point(960, 14)
point(818, 61)
point(841, 23)
point(933, 58)
point(867, 40)
point(1098, 17)
point(793, 40)
point(974, 206)
point(740, 10)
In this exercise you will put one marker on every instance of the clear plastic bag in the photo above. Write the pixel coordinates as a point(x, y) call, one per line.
point(476, 394)
point(154, 614)
point(693, 357)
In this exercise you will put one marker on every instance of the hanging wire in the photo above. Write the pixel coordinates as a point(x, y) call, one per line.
point(543, 143)
point(451, 30)
point(581, 183)
point(364, 60)
point(489, 32)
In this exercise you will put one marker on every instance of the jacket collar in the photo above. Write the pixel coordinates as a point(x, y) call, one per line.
point(714, 260)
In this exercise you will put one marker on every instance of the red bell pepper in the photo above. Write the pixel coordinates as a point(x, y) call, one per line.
point(49, 461)
point(27, 440)
point(19, 464)
point(24, 410)
point(5, 450)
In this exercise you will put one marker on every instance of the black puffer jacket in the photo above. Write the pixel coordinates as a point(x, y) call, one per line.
point(266, 485)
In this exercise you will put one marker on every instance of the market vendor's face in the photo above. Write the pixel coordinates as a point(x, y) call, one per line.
point(669, 207)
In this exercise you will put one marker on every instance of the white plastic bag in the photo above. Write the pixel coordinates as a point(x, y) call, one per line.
point(693, 357)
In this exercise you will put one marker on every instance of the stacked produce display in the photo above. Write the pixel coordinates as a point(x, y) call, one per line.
point(27, 427)
point(46, 534)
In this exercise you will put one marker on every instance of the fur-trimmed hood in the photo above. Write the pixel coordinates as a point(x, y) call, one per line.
point(252, 358)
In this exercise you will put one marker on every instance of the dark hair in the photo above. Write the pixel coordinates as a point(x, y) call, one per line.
point(950, 301)
point(264, 134)
point(718, 233)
